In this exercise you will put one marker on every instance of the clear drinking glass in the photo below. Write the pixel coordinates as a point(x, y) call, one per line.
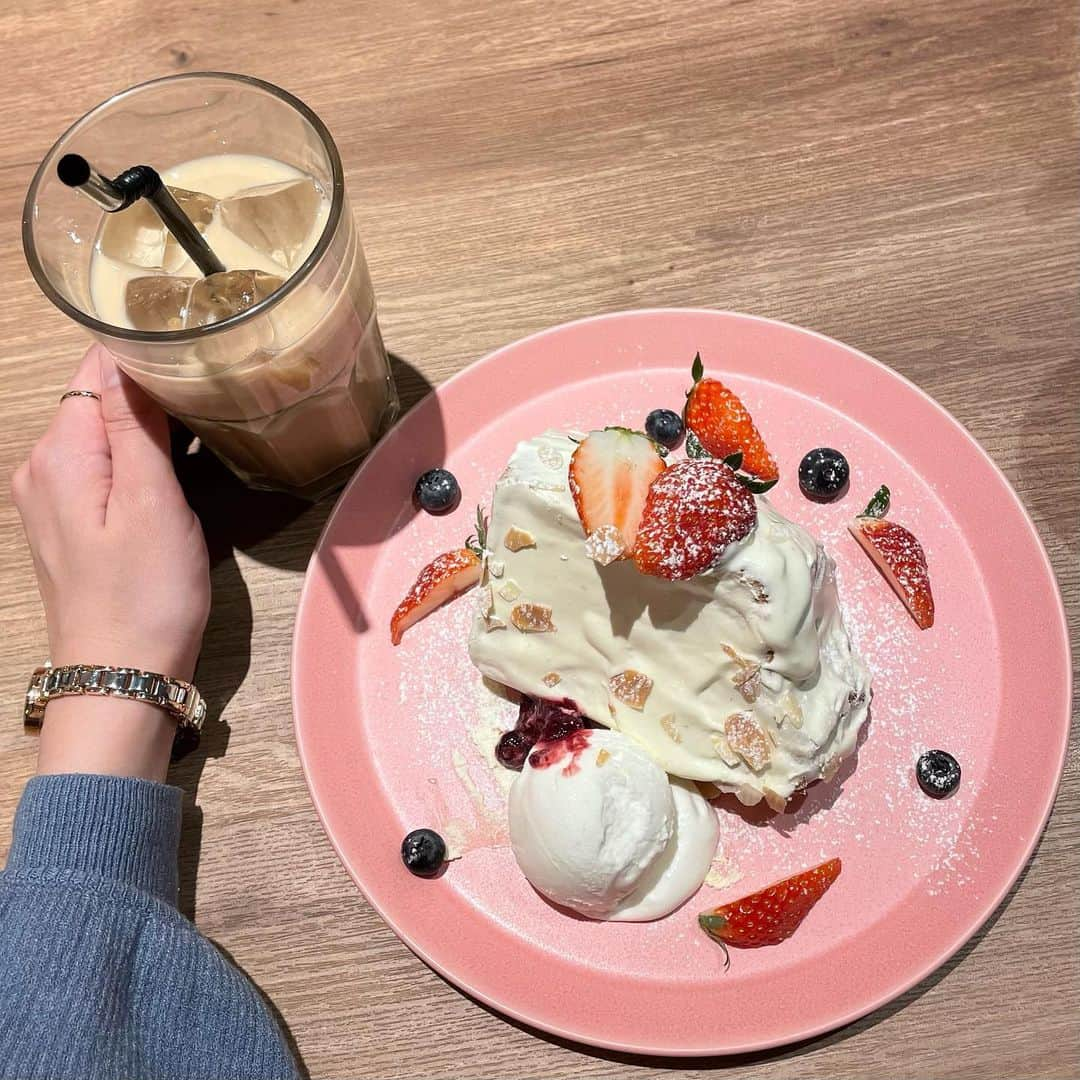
point(289, 393)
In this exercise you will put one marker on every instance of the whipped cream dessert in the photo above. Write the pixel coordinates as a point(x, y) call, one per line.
point(743, 676)
point(596, 826)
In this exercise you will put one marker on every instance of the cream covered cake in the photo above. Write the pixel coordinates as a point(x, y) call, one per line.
point(743, 675)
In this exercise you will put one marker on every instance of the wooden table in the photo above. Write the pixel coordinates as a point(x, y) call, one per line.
point(902, 176)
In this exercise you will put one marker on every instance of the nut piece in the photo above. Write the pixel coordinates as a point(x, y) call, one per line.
point(532, 618)
point(496, 567)
point(746, 738)
point(776, 801)
point(552, 678)
point(602, 758)
point(493, 622)
point(605, 545)
point(670, 730)
point(631, 688)
point(747, 680)
point(486, 602)
point(517, 539)
point(757, 589)
point(510, 591)
point(551, 457)
point(724, 751)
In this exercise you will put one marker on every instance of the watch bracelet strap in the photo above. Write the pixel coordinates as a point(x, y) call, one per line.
point(178, 698)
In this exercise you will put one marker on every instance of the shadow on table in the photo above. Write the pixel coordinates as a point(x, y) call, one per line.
point(791, 1050)
point(274, 529)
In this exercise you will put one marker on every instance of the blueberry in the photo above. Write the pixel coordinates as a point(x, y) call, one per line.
point(437, 491)
point(512, 749)
point(938, 773)
point(423, 852)
point(665, 427)
point(824, 474)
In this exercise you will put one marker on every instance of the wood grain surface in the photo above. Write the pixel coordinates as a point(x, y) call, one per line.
point(900, 175)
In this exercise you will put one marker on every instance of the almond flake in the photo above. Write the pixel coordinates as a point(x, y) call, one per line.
point(602, 758)
point(517, 539)
point(747, 680)
point(493, 622)
point(776, 801)
point(487, 602)
point(724, 751)
point(631, 688)
point(551, 457)
point(496, 567)
point(670, 729)
point(510, 591)
point(532, 618)
point(757, 589)
point(552, 678)
point(746, 738)
point(605, 545)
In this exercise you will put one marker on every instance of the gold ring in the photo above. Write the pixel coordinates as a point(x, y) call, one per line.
point(80, 393)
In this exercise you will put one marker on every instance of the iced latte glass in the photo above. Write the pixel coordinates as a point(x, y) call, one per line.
point(278, 364)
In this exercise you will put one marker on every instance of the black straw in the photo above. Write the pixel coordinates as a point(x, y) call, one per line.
point(140, 182)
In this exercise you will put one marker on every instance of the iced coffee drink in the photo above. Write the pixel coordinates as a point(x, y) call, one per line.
point(277, 362)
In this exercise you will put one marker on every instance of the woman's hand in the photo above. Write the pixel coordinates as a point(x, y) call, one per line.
point(121, 566)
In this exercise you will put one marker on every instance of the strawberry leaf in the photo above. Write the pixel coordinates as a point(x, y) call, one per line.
point(878, 506)
point(754, 485)
point(697, 371)
point(694, 449)
point(734, 461)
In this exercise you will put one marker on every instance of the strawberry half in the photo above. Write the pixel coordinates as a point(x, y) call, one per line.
point(724, 427)
point(610, 474)
point(694, 510)
point(900, 557)
point(772, 914)
point(446, 576)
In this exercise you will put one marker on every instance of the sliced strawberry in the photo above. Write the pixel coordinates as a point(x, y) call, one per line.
point(441, 580)
point(772, 914)
point(693, 512)
point(610, 474)
point(724, 427)
point(900, 557)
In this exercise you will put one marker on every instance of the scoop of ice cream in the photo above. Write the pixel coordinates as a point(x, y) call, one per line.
point(743, 676)
point(681, 868)
point(590, 817)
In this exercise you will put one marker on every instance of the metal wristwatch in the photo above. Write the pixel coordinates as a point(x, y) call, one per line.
point(178, 698)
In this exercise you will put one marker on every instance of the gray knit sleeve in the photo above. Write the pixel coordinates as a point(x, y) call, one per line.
point(100, 975)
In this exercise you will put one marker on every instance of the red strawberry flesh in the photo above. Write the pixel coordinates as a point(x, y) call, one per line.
point(441, 580)
point(694, 511)
point(901, 559)
point(724, 426)
point(772, 914)
point(610, 474)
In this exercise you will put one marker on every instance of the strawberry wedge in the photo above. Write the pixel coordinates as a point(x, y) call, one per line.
point(446, 576)
point(900, 557)
point(610, 474)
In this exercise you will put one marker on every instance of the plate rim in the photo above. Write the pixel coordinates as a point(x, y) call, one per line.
point(985, 910)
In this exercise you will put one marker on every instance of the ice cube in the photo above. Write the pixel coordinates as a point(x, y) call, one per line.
point(218, 296)
point(275, 219)
point(136, 235)
point(157, 302)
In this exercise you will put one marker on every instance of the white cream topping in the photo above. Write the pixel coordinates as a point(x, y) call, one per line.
point(760, 639)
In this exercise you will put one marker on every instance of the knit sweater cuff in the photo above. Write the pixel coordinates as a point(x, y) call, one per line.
point(114, 828)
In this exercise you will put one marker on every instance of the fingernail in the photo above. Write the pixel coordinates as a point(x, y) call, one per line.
point(110, 373)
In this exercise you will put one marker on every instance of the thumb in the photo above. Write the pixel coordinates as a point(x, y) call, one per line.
point(137, 430)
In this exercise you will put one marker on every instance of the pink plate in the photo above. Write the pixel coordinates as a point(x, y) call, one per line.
point(393, 738)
